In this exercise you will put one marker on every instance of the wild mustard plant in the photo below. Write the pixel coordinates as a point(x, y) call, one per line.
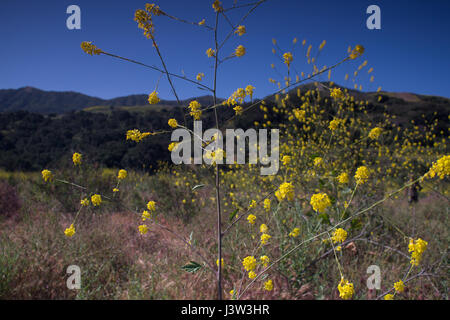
point(327, 135)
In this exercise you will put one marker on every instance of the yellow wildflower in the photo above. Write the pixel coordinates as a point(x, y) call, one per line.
point(222, 264)
point(96, 199)
point(375, 133)
point(239, 51)
point(136, 135)
point(217, 5)
point(240, 30)
point(249, 263)
point(343, 178)
point(172, 123)
point(210, 52)
point(47, 175)
point(320, 202)
point(263, 228)
point(268, 285)
point(200, 76)
point(286, 189)
point(417, 248)
point(399, 286)
point(251, 218)
point(346, 290)
point(294, 233)
point(122, 174)
point(264, 261)
point(153, 98)
point(89, 48)
point(339, 235)
point(362, 175)
point(69, 232)
point(266, 204)
point(336, 93)
point(287, 57)
point(265, 237)
point(151, 205)
point(76, 158)
point(84, 202)
point(440, 168)
point(143, 229)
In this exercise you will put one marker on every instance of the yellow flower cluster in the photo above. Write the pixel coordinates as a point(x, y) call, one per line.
point(399, 286)
point(417, 248)
point(343, 178)
point(356, 52)
point(249, 263)
point(346, 289)
point(47, 175)
point(249, 90)
point(440, 168)
point(143, 229)
point(217, 6)
point(240, 30)
point(89, 48)
point(336, 93)
point(222, 264)
point(238, 95)
point(200, 76)
point(69, 232)
point(320, 202)
point(96, 199)
point(362, 175)
point(268, 285)
point(144, 19)
point(286, 160)
point(389, 297)
point(173, 146)
point(84, 202)
point(335, 123)
point(173, 123)
point(251, 218)
point(210, 52)
point(153, 98)
point(286, 190)
point(287, 57)
point(339, 235)
point(146, 215)
point(76, 158)
point(266, 204)
point(239, 110)
point(239, 51)
point(318, 161)
point(195, 109)
point(136, 135)
point(265, 238)
point(263, 228)
point(122, 174)
point(264, 261)
point(375, 133)
point(294, 233)
point(299, 114)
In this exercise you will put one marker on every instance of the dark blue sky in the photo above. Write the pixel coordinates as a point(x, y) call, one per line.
point(410, 53)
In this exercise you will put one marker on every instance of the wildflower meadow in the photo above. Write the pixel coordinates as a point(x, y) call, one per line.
point(356, 206)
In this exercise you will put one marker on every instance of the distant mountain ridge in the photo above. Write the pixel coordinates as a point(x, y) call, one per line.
point(40, 101)
point(59, 102)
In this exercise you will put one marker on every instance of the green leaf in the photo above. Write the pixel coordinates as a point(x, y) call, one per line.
point(325, 218)
point(233, 214)
point(192, 267)
point(198, 186)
